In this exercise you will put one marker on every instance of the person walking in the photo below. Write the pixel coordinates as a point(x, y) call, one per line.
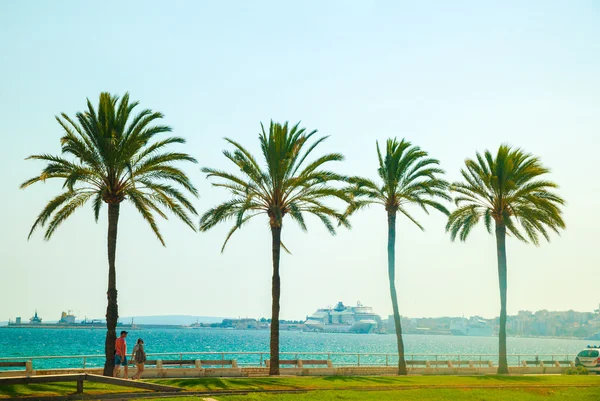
point(121, 355)
point(139, 356)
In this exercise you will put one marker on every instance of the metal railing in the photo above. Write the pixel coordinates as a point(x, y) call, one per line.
point(258, 359)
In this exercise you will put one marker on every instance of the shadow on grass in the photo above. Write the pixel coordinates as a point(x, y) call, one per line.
point(209, 383)
point(20, 390)
point(60, 389)
point(292, 383)
point(370, 380)
point(382, 381)
point(254, 383)
point(512, 379)
point(334, 382)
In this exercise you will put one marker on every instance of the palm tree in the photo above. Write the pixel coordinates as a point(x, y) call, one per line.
point(108, 157)
point(284, 186)
point(508, 191)
point(408, 177)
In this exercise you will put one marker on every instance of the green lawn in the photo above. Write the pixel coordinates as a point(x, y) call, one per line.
point(353, 382)
point(55, 389)
point(378, 388)
point(574, 394)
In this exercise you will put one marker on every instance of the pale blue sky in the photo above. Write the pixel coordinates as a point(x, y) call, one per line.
point(452, 77)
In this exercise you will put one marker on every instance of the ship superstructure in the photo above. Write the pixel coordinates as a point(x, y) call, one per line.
point(474, 326)
point(35, 319)
point(67, 318)
point(345, 319)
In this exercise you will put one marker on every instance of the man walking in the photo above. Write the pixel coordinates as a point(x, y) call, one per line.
point(121, 354)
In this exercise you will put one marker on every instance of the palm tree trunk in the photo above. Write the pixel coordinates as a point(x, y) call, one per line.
point(392, 277)
point(501, 250)
point(112, 310)
point(276, 293)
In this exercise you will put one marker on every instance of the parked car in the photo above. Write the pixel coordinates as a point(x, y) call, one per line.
point(589, 358)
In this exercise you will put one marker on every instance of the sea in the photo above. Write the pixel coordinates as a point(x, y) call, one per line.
point(246, 346)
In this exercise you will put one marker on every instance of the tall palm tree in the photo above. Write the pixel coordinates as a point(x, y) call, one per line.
point(507, 190)
point(285, 185)
point(408, 177)
point(108, 156)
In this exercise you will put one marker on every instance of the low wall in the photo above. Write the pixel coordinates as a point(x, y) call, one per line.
point(263, 371)
point(388, 370)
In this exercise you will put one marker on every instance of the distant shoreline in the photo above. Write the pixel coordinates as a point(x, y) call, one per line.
point(44, 326)
point(50, 327)
point(136, 327)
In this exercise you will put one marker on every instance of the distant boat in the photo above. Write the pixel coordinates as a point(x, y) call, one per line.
point(471, 327)
point(67, 320)
point(344, 319)
point(196, 325)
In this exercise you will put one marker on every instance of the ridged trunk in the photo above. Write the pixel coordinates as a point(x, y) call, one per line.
point(112, 310)
point(275, 293)
point(392, 276)
point(501, 250)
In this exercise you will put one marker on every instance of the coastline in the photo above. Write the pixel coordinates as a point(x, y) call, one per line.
point(136, 327)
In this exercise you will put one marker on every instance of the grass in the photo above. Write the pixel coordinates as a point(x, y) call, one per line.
point(372, 382)
point(58, 389)
point(380, 388)
point(576, 394)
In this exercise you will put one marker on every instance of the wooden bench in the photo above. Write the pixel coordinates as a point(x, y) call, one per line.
point(218, 362)
point(417, 363)
point(439, 363)
point(449, 364)
point(17, 364)
point(12, 364)
point(160, 362)
point(197, 363)
point(301, 362)
point(472, 364)
point(542, 364)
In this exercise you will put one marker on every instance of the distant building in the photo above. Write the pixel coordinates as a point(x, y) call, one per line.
point(247, 323)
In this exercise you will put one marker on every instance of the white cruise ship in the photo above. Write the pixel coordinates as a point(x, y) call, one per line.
point(471, 327)
point(344, 319)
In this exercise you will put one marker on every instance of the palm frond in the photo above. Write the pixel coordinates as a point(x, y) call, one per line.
point(144, 207)
point(507, 189)
point(287, 183)
point(75, 202)
point(108, 156)
point(50, 208)
point(408, 176)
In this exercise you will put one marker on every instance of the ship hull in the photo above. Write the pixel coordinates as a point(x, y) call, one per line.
point(359, 328)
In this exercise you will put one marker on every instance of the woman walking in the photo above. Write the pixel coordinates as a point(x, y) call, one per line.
point(139, 356)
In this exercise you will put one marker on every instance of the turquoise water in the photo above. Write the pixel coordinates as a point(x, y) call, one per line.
point(17, 343)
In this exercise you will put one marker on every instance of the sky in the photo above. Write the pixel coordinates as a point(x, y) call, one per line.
point(452, 77)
